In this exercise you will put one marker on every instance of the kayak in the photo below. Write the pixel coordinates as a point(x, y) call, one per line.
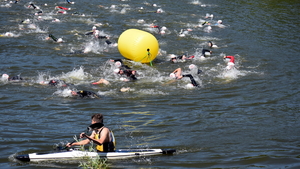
point(74, 153)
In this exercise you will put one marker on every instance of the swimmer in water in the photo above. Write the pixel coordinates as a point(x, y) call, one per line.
point(206, 52)
point(31, 5)
point(175, 59)
point(14, 78)
point(83, 93)
point(177, 74)
point(130, 74)
point(211, 45)
point(58, 40)
point(230, 64)
point(63, 8)
point(55, 82)
point(69, 2)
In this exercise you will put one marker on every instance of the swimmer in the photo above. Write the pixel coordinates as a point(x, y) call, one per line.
point(55, 83)
point(175, 59)
point(38, 13)
point(83, 93)
point(177, 74)
point(230, 64)
point(62, 12)
point(211, 45)
point(69, 2)
point(58, 40)
point(206, 52)
point(130, 74)
point(63, 8)
point(31, 5)
point(14, 78)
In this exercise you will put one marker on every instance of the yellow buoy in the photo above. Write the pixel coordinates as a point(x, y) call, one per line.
point(138, 45)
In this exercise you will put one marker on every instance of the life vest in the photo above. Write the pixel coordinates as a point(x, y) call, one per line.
point(108, 146)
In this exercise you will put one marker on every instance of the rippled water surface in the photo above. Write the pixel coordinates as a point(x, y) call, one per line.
point(245, 118)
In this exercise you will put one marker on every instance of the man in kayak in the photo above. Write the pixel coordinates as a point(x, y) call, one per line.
point(101, 136)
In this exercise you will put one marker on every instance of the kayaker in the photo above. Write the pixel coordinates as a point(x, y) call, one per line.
point(101, 136)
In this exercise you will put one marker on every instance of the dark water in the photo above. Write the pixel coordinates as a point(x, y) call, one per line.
point(246, 118)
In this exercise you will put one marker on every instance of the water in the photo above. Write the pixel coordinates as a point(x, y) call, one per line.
point(247, 118)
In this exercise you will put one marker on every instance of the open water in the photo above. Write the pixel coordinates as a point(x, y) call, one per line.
point(244, 118)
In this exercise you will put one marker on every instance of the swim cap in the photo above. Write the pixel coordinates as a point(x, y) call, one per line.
point(118, 64)
point(116, 71)
point(5, 76)
point(192, 66)
point(219, 21)
point(190, 85)
point(173, 56)
point(59, 40)
point(172, 75)
point(94, 28)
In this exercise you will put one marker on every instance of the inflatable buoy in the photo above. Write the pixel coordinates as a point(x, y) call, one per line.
point(138, 45)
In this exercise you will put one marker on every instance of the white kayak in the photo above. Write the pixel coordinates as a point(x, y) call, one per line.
point(71, 154)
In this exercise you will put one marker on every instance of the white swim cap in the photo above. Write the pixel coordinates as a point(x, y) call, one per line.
point(94, 28)
point(116, 70)
point(118, 63)
point(5, 76)
point(219, 21)
point(59, 40)
point(172, 75)
point(190, 85)
point(97, 32)
point(163, 28)
point(192, 66)
point(173, 56)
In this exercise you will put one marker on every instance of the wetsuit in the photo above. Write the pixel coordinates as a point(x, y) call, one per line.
point(129, 74)
point(83, 93)
point(194, 83)
point(53, 37)
point(34, 7)
point(15, 78)
point(204, 51)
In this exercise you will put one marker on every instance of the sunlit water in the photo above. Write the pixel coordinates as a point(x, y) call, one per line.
point(243, 118)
